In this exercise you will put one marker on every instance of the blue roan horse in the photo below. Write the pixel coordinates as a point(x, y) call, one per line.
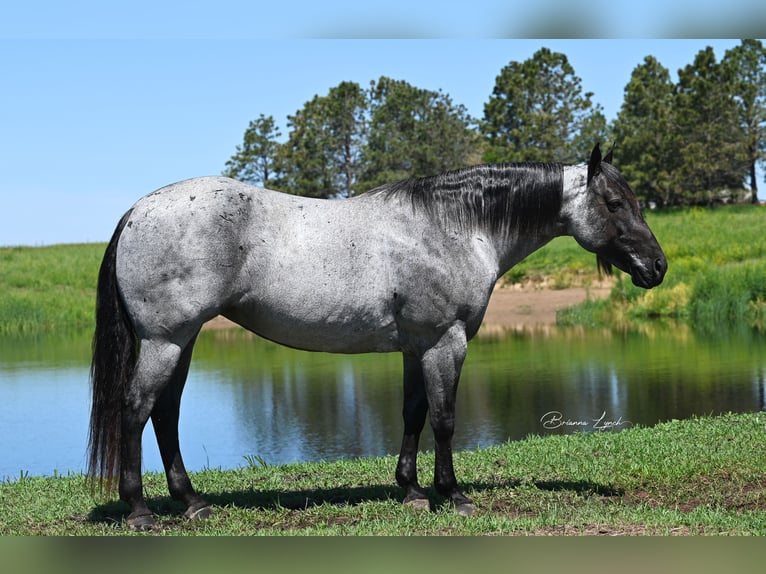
point(407, 267)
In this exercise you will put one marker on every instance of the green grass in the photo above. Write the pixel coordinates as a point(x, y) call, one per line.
point(697, 476)
point(48, 288)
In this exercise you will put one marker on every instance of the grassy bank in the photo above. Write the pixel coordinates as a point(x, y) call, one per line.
point(717, 274)
point(48, 288)
point(698, 476)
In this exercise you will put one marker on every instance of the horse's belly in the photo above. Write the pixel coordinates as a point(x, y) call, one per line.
point(316, 330)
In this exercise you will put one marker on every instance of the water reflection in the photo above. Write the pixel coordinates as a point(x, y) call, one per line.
point(249, 397)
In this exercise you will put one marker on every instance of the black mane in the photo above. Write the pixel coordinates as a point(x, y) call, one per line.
point(511, 199)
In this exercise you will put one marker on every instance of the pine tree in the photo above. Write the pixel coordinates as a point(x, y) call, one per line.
point(255, 161)
point(709, 138)
point(536, 112)
point(747, 69)
point(643, 133)
point(322, 155)
point(415, 132)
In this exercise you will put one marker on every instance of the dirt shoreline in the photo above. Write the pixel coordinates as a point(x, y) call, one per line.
point(517, 307)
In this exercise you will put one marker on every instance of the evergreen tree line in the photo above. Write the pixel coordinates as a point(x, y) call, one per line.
point(695, 141)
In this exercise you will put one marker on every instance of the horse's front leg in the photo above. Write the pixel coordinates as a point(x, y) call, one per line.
point(414, 414)
point(442, 364)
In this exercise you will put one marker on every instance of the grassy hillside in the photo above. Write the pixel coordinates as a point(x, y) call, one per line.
point(717, 274)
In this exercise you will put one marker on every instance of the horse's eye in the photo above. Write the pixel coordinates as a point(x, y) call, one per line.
point(614, 204)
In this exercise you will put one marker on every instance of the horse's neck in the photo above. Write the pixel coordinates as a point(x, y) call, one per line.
point(510, 253)
point(575, 186)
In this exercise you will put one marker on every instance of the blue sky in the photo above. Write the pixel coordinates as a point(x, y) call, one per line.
point(98, 112)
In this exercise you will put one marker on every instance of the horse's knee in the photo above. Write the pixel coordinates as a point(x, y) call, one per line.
point(443, 427)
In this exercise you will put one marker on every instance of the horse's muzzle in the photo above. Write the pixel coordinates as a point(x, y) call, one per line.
point(650, 275)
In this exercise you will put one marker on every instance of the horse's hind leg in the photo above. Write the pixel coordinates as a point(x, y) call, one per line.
point(155, 368)
point(165, 422)
point(414, 414)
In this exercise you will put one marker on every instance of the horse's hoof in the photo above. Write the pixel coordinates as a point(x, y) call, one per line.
point(141, 523)
point(465, 509)
point(198, 513)
point(418, 504)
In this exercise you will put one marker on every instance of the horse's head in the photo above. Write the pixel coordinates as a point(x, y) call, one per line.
point(609, 223)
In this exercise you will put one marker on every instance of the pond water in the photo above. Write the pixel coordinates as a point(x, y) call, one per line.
point(248, 397)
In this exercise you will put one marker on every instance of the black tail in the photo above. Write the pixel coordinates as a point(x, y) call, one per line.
point(114, 356)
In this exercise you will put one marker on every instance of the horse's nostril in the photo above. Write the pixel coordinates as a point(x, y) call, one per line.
point(660, 265)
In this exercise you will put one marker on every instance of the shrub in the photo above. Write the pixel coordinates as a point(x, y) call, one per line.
point(727, 294)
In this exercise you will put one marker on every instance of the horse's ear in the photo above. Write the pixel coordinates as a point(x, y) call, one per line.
point(609, 155)
point(594, 164)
